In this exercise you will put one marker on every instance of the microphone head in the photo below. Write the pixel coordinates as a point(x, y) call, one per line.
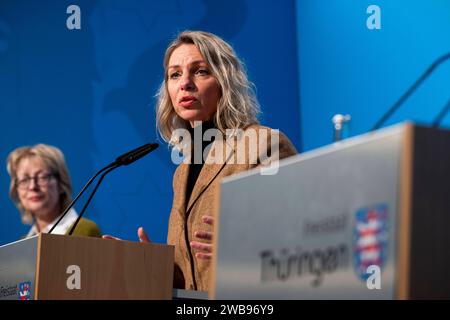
point(136, 154)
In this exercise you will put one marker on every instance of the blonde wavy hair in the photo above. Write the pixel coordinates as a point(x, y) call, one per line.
point(54, 160)
point(238, 106)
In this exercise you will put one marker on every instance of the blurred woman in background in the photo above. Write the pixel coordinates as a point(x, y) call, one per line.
point(41, 189)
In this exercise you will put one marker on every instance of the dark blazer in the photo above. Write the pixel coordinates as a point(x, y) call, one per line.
point(192, 273)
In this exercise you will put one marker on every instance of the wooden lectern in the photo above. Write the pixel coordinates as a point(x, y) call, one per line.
point(70, 267)
point(330, 219)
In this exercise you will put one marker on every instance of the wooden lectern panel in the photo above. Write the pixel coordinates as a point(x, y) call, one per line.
point(404, 216)
point(429, 214)
point(108, 269)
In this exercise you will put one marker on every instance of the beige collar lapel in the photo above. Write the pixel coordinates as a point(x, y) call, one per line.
point(182, 178)
point(220, 152)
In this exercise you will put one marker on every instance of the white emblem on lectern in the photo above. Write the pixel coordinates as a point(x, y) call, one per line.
point(370, 239)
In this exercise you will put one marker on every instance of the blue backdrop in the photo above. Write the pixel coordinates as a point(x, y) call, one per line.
point(347, 68)
point(91, 91)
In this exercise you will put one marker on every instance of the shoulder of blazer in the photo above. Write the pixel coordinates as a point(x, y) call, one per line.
point(87, 228)
point(181, 171)
point(282, 137)
point(276, 141)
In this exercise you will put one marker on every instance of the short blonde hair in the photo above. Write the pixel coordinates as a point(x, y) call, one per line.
point(54, 160)
point(238, 106)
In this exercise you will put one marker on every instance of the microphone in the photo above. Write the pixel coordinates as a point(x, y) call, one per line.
point(125, 159)
point(136, 154)
point(413, 88)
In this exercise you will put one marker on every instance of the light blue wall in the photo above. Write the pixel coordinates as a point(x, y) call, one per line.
point(346, 68)
point(91, 91)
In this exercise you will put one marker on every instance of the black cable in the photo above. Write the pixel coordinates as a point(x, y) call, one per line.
point(90, 198)
point(441, 115)
point(405, 96)
point(79, 194)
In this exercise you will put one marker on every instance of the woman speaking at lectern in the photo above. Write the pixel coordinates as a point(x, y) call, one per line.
point(206, 93)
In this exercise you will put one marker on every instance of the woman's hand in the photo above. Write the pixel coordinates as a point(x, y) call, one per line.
point(205, 249)
point(107, 236)
point(141, 235)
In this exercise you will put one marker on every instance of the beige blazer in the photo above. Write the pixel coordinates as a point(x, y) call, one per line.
point(192, 273)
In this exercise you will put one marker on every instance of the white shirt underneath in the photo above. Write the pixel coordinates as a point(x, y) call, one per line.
point(62, 227)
